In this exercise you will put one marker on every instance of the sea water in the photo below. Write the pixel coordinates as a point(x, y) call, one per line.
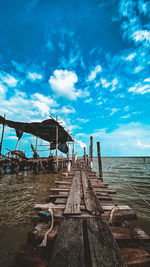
point(19, 194)
point(128, 175)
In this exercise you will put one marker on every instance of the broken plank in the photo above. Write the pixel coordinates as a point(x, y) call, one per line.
point(91, 201)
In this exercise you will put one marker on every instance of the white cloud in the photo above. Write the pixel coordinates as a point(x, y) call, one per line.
point(97, 84)
point(140, 88)
point(114, 83)
point(94, 73)
point(81, 144)
point(141, 35)
point(99, 103)
point(130, 57)
point(83, 120)
point(105, 83)
point(147, 80)
point(126, 108)
point(24, 108)
point(113, 111)
point(3, 89)
point(142, 145)
point(126, 116)
point(8, 79)
point(63, 83)
point(42, 107)
point(67, 110)
point(44, 99)
point(126, 134)
point(138, 69)
point(43, 103)
point(33, 76)
point(144, 6)
point(88, 100)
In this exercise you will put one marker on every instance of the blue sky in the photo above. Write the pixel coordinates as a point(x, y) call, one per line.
point(87, 62)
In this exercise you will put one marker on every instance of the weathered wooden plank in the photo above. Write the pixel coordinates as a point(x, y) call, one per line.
point(65, 195)
point(121, 215)
point(137, 256)
point(91, 201)
point(109, 191)
point(64, 201)
point(68, 250)
point(74, 196)
point(60, 189)
point(104, 250)
point(63, 182)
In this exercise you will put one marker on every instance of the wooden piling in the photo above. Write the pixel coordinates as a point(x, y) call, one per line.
point(89, 155)
point(91, 151)
point(73, 160)
point(2, 136)
point(99, 161)
point(57, 144)
point(84, 153)
point(91, 146)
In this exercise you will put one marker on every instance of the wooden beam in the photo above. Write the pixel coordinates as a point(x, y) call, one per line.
point(104, 250)
point(69, 247)
point(74, 196)
point(91, 201)
point(2, 136)
point(99, 160)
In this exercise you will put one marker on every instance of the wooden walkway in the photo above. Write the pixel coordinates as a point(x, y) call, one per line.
point(89, 230)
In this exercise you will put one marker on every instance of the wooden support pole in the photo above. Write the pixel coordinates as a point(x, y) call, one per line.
point(72, 154)
point(91, 151)
point(99, 161)
point(2, 136)
point(84, 153)
point(57, 144)
point(89, 155)
point(36, 143)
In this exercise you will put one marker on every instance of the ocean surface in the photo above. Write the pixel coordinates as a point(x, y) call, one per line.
point(18, 195)
point(128, 175)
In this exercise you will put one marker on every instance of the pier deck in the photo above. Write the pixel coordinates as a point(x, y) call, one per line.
point(89, 230)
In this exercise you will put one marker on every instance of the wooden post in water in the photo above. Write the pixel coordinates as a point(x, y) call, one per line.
point(89, 160)
point(99, 161)
point(2, 136)
point(56, 144)
point(84, 153)
point(91, 152)
point(73, 154)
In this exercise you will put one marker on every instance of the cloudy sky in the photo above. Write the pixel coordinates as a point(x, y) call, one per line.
point(86, 61)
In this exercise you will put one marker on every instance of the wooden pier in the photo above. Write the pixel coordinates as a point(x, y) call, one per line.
point(87, 228)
